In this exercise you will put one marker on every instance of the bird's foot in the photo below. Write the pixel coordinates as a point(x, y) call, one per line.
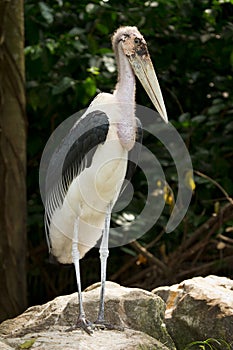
point(104, 325)
point(83, 324)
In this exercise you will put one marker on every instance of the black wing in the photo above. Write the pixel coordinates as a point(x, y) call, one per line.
point(90, 132)
point(74, 153)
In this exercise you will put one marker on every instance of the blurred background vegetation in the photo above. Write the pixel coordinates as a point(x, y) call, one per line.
point(69, 60)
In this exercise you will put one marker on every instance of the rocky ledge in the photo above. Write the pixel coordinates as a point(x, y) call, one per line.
point(195, 309)
point(198, 309)
point(47, 326)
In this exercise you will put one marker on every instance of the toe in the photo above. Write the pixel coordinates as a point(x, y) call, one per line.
point(85, 324)
point(102, 325)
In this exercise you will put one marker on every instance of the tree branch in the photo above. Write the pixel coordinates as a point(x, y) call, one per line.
point(142, 250)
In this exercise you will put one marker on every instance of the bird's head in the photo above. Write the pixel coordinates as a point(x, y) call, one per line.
point(134, 47)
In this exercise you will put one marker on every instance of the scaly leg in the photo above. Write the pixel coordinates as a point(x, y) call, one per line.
point(82, 322)
point(104, 252)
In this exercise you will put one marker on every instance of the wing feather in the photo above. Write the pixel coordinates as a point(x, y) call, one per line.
point(71, 157)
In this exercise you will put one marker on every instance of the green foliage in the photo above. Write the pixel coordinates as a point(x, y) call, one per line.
point(69, 60)
point(209, 344)
point(27, 344)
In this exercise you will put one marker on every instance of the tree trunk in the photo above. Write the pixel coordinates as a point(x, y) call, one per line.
point(12, 161)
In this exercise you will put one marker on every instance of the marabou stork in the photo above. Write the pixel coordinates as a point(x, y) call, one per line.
point(92, 161)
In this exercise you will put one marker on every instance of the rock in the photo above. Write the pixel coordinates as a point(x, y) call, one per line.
point(139, 311)
point(198, 309)
point(4, 346)
point(101, 340)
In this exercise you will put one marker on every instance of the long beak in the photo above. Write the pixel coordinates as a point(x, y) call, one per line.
point(145, 72)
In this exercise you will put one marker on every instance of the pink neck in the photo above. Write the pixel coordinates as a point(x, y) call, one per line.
point(125, 94)
point(125, 88)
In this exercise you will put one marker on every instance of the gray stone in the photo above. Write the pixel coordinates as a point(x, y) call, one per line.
point(76, 340)
point(4, 346)
point(198, 309)
point(141, 313)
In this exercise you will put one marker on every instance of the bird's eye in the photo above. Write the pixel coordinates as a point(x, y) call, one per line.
point(137, 41)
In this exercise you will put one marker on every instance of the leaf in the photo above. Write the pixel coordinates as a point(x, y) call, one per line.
point(189, 181)
point(199, 118)
point(79, 46)
point(215, 109)
point(91, 8)
point(184, 117)
point(90, 86)
point(231, 58)
point(168, 195)
point(103, 29)
point(34, 99)
point(27, 344)
point(51, 45)
point(63, 85)
point(93, 70)
point(109, 63)
point(46, 12)
point(34, 51)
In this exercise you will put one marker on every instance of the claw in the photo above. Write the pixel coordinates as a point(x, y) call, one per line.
point(84, 324)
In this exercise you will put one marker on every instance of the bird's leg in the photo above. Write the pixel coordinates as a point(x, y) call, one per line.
point(104, 252)
point(82, 322)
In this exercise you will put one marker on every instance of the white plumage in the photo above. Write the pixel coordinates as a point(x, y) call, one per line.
point(94, 166)
point(90, 192)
